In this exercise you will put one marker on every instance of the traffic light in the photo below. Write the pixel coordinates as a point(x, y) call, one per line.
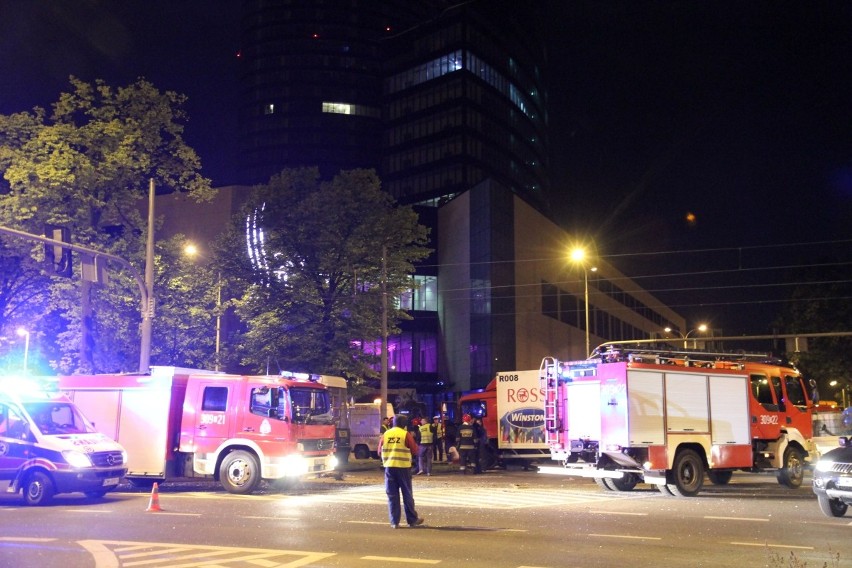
point(57, 257)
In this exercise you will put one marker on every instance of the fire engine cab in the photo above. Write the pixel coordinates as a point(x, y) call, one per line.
point(667, 417)
point(47, 447)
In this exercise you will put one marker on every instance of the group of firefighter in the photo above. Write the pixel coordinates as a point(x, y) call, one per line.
point(463, 444)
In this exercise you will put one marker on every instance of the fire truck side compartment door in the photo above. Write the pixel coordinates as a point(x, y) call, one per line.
point(645, 403)
point(686, 403)
point(729, 407)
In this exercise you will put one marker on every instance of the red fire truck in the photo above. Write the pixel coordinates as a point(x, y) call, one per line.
point(238, 429)
point(666, 417)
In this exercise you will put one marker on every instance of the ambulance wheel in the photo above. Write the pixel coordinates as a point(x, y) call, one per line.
point(38, 489)
point(792, 471)
point(603, 483)
point(626, 483)
point(239, 472)
point(831, 507)
point(720, 477)
point(687, 474)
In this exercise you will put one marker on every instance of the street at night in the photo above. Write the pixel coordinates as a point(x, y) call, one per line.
point(500, 519)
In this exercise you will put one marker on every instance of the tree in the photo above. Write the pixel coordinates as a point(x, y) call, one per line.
point(821, 304)
point(85, 166)
point(310, 292)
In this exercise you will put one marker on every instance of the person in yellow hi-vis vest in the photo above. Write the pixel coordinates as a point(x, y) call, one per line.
point(396, 446)
point(427, 438)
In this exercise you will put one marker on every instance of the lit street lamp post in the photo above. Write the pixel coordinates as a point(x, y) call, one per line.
point(578, 255)
point(191, 250)
point(23, 332)
point(701, 328)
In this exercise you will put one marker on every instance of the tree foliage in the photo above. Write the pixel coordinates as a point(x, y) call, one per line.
point(311, 291)
point(822, 305)
point(85, 166)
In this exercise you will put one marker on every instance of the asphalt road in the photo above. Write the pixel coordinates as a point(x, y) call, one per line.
point(502, 518)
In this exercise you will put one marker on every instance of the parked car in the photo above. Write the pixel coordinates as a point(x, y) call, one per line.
point(833, 479)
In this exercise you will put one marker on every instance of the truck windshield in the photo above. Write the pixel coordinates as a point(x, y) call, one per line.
point(311, 406)
point(53, 418)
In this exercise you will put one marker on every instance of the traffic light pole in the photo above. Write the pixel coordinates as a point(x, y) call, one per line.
point(144, 289)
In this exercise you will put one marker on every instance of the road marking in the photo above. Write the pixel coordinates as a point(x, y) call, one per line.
point(110, 554)
point(768, 545)
point(737, 519)
point(25, 539)
point(627, 536)
point(400, 559)
point(619, 513)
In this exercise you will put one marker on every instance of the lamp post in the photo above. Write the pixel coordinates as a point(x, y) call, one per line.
point(701, 328)
point(578, 256)
point(191, 250)
point(24, 332)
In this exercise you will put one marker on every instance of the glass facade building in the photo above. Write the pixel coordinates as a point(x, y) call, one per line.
point(448, 102)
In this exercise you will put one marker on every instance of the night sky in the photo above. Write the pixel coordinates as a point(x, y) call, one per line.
point(738, 113)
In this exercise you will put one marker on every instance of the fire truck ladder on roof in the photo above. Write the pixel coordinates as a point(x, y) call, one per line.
point(548, 381)
point(614, 351)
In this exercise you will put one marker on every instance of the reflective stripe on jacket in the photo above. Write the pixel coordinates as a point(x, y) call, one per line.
point(466, 437)
point(394, 451)
point(426, 434)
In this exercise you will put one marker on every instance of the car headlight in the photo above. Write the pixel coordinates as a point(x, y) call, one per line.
point(76, 459)
point(824, 465)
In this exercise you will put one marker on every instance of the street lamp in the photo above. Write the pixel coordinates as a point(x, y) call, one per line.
point(578, 256)
point(701, 328)
point(23, 332)
point(191, 250)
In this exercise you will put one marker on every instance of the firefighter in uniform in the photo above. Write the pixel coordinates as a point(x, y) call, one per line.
point(396, 447)
point(438, 442)
point(467, 443)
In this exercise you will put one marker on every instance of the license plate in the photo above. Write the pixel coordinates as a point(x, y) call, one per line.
point(110, 481)
point(844, 481)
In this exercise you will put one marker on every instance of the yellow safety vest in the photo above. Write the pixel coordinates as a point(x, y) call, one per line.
point(394, 451)
point(426, 434)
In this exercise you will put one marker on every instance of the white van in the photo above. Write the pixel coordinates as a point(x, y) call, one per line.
point(365, 425)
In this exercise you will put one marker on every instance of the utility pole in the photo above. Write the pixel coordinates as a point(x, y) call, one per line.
point(148, 296)
point(383, 389)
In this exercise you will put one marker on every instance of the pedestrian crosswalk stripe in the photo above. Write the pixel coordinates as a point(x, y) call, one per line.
point(480, 498)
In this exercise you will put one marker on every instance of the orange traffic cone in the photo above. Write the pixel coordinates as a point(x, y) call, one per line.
point(154, 503)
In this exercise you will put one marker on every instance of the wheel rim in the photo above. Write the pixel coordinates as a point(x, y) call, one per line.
point(239, 472)
point(35, 490)
point(794, 466)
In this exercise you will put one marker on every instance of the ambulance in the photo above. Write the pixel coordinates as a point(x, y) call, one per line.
point(47, 446)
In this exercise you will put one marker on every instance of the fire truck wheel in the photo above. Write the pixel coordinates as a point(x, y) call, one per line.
point(792, 471)
point(239, 472)
point(687, 474)
point(664, 489)
point(38, 489)
point(626, 483)
point(831, 507)
point(720, 477)
point(602, 482)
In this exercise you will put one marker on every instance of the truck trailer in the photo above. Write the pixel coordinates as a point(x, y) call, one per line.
point(511, 408)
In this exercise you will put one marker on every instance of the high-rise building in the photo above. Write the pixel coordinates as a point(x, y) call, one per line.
point(448, 102)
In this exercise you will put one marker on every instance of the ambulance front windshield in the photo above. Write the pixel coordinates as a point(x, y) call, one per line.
point(53, 418)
